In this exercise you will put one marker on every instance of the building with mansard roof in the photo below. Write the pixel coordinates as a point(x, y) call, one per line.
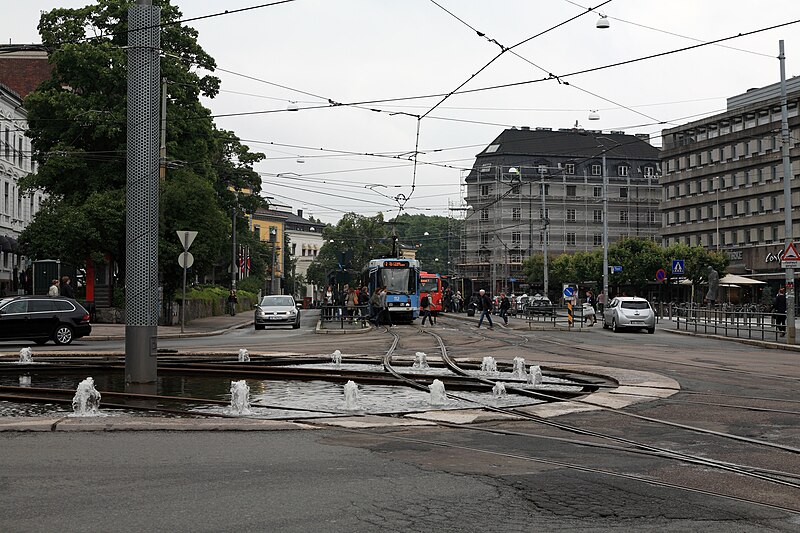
point(529, 185)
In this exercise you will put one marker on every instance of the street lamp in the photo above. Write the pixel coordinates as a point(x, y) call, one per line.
point(273, 239)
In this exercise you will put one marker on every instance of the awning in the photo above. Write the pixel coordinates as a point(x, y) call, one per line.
point(734, 279)
point(5, 244)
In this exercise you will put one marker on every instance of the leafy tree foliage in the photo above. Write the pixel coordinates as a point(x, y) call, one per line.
point(77, 122)
point(411, 229)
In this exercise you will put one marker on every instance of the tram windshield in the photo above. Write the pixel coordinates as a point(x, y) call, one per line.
point(397, 280)
point(429, 285)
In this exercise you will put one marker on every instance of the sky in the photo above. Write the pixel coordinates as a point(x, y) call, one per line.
point(329, 160)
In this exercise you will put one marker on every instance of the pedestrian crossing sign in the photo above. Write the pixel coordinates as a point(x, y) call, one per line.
point(677, 267)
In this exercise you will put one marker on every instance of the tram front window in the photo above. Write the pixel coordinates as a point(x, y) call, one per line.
point(396, 280)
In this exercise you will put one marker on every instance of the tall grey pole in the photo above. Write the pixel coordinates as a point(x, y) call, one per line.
point(234, 264)
point(141, 225)
point(273, 239)
point(606, 298)
point(546, 221)
point(787, 198)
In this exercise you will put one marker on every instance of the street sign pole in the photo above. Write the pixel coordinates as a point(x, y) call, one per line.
point(185, 260)
point(787, 195)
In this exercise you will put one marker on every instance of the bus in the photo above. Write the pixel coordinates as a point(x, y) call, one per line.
point(401, 279)
point(431, 286)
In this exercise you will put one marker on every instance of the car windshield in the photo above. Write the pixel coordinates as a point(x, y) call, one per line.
point(635, 305)
point(277, 301)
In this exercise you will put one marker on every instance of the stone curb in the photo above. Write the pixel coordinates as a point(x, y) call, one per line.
point(184, 335)
point(749, 342)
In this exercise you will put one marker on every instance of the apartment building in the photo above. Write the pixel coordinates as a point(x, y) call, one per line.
point(532, 187)
point(723, 180)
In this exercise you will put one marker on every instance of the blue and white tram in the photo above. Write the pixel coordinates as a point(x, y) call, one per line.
point(401, 279)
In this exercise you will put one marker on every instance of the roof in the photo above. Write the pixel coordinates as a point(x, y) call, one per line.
point(576, 143)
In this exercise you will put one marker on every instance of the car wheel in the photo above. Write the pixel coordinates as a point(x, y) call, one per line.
point(614, 325)
point(259, 326)
point(63, 334)
point(651, 330)
point(605, 324)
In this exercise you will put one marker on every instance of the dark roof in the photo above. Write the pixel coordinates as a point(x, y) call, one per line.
point(570, 143)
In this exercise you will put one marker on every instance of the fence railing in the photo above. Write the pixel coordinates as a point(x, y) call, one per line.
point(746, 323)
point(556, 315)
point(356, 315)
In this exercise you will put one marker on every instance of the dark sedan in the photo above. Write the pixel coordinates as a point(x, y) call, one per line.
point(43, 318)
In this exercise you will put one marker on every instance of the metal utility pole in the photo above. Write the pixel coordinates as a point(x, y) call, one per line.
point(787, 197)
point(234, 263)
point(546, 221)
point(273, 239)
point(606, 298)
point(142, 197)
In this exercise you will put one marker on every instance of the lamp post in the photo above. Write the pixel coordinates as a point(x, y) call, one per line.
point(605, 232)
point(273, 239)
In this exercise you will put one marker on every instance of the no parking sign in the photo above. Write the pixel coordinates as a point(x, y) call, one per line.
point(661, 275)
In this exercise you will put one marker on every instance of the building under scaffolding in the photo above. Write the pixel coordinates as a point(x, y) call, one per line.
point(537, 189)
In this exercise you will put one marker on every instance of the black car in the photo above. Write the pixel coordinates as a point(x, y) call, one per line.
point(42, 318)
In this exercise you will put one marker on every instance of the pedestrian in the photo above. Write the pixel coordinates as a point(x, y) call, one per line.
point(385, 306)
point(232, 301)
point(363, 301)
point(601, 301)
point(425, 307)
point(779, 310)
point(375, 306)
point(505, 305)
point(485, 307)
point(65, 288)
point(350, 302)
point(588, 309)
point(53, 290)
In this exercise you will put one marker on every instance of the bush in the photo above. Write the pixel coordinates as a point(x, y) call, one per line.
point(250, 284)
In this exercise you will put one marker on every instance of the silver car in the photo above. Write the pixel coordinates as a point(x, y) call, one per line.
point(277, 310)
point(629, 312)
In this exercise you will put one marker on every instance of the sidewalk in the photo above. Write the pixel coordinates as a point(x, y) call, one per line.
point(199, 327)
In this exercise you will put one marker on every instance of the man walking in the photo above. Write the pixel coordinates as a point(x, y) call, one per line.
point(485, 304)
point(505, 305)
point(779, 308)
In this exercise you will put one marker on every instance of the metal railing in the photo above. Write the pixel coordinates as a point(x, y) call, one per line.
point(355, 315)
point(556, 315)
point(744, 323)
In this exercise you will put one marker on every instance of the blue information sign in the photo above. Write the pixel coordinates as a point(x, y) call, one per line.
point(677, 267)
point(568, 292)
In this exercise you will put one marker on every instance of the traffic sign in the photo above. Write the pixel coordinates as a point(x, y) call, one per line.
point(790, 258)
point(615, 269)
point(187, 238)
point(568, 292)
point(661, 274)
point(185, 260)
point(677, 266)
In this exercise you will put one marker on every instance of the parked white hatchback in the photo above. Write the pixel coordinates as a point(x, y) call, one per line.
point(629, 312)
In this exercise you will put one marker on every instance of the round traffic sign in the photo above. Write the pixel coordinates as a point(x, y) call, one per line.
point(187, 258)
point(568, 292)
point(661, 274)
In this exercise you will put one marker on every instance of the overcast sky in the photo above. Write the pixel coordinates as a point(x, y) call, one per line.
point(364, 50)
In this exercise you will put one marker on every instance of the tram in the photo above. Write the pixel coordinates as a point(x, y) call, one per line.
point(401, 279)
point(431, 286)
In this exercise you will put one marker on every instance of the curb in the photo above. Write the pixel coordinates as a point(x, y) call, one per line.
point(173, 335)
point(323, 331)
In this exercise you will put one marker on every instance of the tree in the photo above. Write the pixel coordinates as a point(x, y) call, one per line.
point(348, 246)
point(639, 259)
point(411, 229)
point(77, 123)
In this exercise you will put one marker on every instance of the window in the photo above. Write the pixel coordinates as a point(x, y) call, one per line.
point(484, 190)
point(623, 192)
point(623, 216)
point(542, 169)
point(544, 214)
point(570, 239)
point(516, 256)
point(492, 148)
point(484, 237)
point(5, 203)
point(622, 170)
point(484, 214)
point(598, 215)
point(569, 168)
point(651, 217)
point(570, 215)
point(598, 192)
point(516, 237)
point(572, 190)
point(649, 171)
point(596, 170)
point(597, 239)
point(516, 213)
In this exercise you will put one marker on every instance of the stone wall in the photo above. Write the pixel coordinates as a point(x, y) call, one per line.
point(194, 309)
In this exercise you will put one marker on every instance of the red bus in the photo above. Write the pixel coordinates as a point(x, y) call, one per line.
point(431, 286)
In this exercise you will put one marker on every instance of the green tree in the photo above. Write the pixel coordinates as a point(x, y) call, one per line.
point(77, 123)
point(441, 233)
point(639, 259)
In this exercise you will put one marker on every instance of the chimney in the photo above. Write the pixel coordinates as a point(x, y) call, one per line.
point(300, 213)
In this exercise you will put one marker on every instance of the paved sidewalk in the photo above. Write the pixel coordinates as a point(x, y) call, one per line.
point(199, 327)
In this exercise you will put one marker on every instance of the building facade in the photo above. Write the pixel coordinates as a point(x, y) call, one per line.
point(269, 226)
point(723, 180)
point(305, 242)
point(535, 187)
point(16, 209)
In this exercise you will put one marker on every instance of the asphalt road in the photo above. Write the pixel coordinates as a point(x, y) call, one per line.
point(503, 474)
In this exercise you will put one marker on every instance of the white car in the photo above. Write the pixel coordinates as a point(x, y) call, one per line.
point(629, 312)
point(278, 310)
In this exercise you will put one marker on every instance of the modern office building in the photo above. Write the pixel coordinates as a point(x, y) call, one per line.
point(723, 180)
point(535, 187)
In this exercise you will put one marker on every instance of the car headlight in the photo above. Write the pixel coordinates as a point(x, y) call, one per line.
point(408, 304)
